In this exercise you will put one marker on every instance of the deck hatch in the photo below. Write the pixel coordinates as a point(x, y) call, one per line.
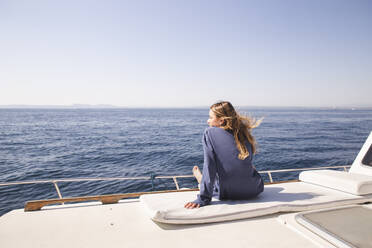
point(343, 227)
point(367, 160)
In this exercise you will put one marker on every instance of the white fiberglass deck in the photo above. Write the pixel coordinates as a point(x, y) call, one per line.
point(126, 225)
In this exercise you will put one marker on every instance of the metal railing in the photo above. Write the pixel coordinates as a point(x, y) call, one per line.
point(268, 172)
point(152, 178)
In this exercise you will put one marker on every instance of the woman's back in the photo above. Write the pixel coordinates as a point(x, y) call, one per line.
point(236, 178)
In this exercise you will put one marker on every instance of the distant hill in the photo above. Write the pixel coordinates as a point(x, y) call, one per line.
point(73, 106)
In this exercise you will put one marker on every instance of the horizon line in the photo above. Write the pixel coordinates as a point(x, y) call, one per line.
point(110, 106)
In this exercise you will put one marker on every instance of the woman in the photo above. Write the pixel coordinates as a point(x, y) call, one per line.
point(228, 144)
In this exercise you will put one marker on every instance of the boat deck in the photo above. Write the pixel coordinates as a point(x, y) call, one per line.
point(126, 224)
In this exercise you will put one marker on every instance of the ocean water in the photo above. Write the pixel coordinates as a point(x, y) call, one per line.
point(40, 144)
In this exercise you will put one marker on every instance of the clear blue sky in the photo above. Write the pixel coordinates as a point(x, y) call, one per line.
point(186, 53)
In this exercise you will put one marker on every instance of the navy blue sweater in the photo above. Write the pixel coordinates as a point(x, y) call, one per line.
point(225, 176)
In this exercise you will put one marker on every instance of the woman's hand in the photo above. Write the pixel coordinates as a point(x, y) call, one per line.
point(191, 205)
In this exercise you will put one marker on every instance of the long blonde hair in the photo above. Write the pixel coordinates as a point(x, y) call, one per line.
point(240, 126)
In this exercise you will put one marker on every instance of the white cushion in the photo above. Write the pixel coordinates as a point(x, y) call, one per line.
point(285, 197)
point(352, 183)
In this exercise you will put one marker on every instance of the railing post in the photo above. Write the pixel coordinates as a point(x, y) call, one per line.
point(176, 183)
point(271, 179)
point(58, 191)
point(152, 176)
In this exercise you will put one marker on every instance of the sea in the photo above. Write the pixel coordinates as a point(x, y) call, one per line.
point(45, 144)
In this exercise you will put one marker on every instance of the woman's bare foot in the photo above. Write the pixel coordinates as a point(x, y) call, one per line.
point(197, 173)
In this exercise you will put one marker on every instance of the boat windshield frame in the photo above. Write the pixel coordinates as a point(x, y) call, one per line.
point(367, 159)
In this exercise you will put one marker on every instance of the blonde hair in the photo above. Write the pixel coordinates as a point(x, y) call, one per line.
point(240, 126)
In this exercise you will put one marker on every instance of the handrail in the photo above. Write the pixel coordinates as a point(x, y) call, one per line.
point(313, 168)
point(156, 177)
point(75, 180)
point(268, 172)
point(105, 199)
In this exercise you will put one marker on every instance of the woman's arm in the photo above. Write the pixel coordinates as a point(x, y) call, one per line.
point(209, 174)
